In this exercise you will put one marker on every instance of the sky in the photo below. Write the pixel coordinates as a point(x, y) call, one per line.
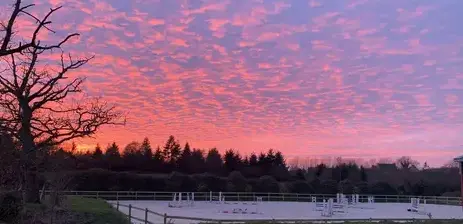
point(352, 78)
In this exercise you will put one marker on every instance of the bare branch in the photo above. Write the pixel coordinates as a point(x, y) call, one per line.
point(6, 47)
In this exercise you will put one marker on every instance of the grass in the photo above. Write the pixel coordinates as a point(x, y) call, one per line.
point(97, 210)
point(74, 210)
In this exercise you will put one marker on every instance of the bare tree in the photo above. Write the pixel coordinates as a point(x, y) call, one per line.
point(32, 97)
point(8, 46)
point(405, 162)
point(451, 164)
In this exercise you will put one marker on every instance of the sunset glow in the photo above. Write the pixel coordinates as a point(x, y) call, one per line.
point(352, 78)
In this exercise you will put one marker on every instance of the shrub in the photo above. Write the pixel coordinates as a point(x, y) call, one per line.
point(451, 194)
point(237, 180)
point(175, 181)
point(210, 182)
point(346, 187)
point(301, 186)
point(10, 206)
point(383, 188)
point(328, 187)
point(267, 184)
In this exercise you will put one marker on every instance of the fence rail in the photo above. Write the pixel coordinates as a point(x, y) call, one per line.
point(251, 196)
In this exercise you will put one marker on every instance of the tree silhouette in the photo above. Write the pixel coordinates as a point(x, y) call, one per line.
point(112, 157)
point(214, 162)
point(363, 174)
point(133, 156)
point(319, 170)
point(172, 150)
point(147, 155)
point(184, 162)
point(232, 161)
point(197, 164)
point(253, 162)
point(405, 162)
point(146, 149)
point(98, 153)
point(158, 161)
point(32, 96)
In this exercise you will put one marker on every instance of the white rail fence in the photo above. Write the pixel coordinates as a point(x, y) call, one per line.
point(251, 196)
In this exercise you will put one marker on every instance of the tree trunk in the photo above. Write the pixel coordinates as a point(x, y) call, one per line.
point(31, 191)
point(30, 172)
point(31, 184)
point(29, 158)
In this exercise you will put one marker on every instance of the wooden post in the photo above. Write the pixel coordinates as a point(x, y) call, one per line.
point(117, 205)
point(165, 218)
point(146, 215)
point(117, 195)
point(130, 212)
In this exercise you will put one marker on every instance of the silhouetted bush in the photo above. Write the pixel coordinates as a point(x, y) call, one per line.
point(382, 188)
point(346, 187)
point(267, 184)
point(328, 187)
point(301, 186)
point(237, 181)
point(10, 206)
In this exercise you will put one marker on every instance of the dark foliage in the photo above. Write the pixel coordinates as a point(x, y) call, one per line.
point(137, 167)
point(10, 206)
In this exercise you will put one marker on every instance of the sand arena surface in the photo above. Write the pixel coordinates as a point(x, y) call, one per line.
point(287, 210)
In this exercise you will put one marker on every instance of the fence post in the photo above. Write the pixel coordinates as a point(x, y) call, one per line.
point(146, 215)
point(117, 195)
point(136, 195)
point(154, 196)
point(268, 196)
point(97, 194)
point(165, 218)
point(117, 205)
point(130, 212)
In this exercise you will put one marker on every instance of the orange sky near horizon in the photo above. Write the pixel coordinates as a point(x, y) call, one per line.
point(353, 78)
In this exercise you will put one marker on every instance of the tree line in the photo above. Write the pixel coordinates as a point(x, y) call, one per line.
point(172, 167)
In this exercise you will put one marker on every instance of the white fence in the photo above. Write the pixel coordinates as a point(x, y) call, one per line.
point(251, 196)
